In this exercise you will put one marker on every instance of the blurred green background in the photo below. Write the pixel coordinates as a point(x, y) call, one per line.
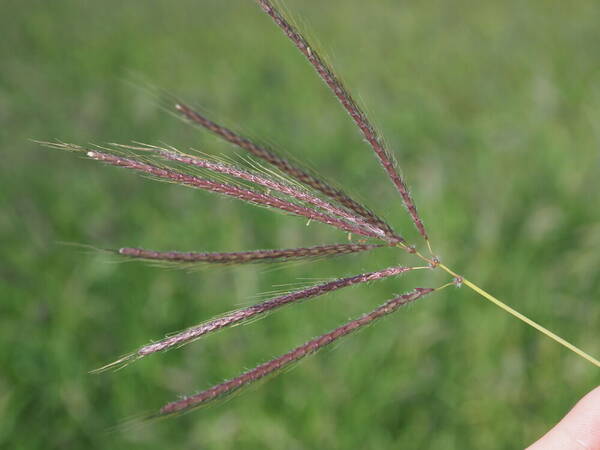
point(493, 110)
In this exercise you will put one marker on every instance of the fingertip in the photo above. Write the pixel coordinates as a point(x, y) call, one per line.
point(579, 429)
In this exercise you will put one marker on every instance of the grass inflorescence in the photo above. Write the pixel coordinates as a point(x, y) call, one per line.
point(294, 190)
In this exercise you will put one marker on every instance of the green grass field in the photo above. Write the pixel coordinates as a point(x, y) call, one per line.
point(492, 109)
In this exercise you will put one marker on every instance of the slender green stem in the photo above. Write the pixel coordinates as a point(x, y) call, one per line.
point(434, 262)
point(520, 316)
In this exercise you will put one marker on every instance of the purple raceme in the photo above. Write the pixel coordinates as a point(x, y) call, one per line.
point(254, 311)
point(230, 190)
point(284, 188)
point(290, 169)
point(277, 364)
point(367, 130)
point(318, 251)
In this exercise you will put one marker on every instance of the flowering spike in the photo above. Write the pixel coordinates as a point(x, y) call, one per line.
point(269, 183)
point(287, 167)
point(229, 190)
point(359, 117)
point(279, 363)
point(250, 256)
point(254, 311)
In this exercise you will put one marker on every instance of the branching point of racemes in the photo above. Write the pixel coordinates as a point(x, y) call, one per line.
point(294, 190)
